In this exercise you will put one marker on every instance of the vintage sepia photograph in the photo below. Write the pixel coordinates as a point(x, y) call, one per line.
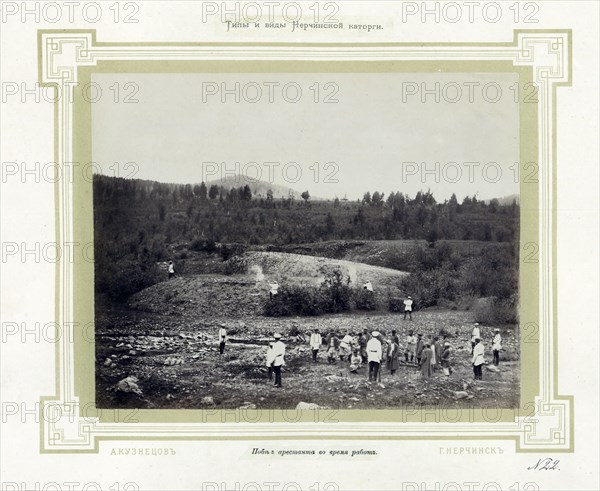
point(304, 240)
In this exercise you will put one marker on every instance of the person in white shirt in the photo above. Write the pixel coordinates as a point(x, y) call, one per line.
point(315, 344)
point(278, 358)
point(171, 269)
point(374, 354)
point(497, 346)
point(475, 334)
point(478, 359)
point(270, 361)
point(368, 286)
point(408, 306)
point(346, 347)
point(222, 338)
point(274, 289)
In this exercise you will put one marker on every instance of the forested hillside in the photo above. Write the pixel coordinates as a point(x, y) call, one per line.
point(141, 223)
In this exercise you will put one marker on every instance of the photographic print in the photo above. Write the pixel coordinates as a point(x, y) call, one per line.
point(308, 240)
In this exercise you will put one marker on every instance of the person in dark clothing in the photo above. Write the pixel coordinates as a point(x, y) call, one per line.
point(419, 349)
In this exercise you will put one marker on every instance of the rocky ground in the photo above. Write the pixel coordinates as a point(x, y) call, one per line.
point(170, 359)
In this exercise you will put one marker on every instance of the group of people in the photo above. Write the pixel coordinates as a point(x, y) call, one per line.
point(373, 348)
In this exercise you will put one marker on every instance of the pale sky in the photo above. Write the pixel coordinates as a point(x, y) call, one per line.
point(371, 134)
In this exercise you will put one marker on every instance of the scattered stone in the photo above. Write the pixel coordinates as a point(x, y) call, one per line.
point(492, 368)
point(108, 362)
point(247, 405)
point(461, 394)
point(308, 406)
point(207, 401)
point(129, 384)
point(171, 360)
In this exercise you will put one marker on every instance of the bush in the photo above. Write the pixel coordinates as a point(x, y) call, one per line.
point(295, 300)
point(364, 300)
point(494, 311)
point(201, 245)
point(236, 265)
point(333, 296)
point(119, 281)
point(396, 304)
point(228, 251)
point(336, 292)
point(427, 288)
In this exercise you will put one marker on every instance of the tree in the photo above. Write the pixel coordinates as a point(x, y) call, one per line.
point(161, 212)
point(200, 191)
point(453, 201)
point(213, 192)
point(367, 198)
point(246, 194)
point(305, 196)
point(329, 223)
point(493, 206)
point(377, 199)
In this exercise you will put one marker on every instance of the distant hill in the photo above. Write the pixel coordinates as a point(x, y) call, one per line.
point(258, 187)
point(505, 200)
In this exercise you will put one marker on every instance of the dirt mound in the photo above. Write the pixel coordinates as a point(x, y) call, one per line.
point(239, 296)
point(204, 295)
point(298, 268)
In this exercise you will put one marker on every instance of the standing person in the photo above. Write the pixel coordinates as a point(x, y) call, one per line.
point(278, 358)
point(274, 289)
point(433, 357)
point(346, 347)
point(222, 338)
point(374, 356)
point(475, 334)
point(426, 365)
point(363, 339)
point(419, 348)
point(408, 303)
point(171, 269)
point(437, 349)
point(395, 337)
point(270, 361)
point(315, 344)
point(497, 346)
point(368, 286)
point(478, 359)
point(333, 344)
point(411, 343)
point(393, 356)
point(446, 359)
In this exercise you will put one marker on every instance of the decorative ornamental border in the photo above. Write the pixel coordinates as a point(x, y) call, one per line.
point(547, 52)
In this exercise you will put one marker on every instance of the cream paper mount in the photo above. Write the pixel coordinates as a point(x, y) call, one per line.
point(68, 425)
